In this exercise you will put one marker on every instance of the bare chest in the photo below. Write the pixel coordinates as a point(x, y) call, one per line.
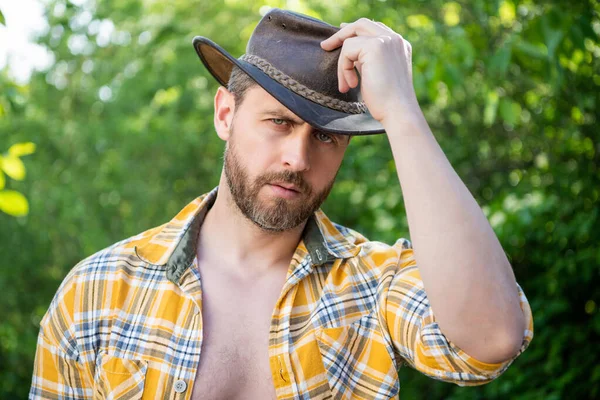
point(236, 317)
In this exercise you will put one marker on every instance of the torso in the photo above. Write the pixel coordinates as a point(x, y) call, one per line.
point(236, 318)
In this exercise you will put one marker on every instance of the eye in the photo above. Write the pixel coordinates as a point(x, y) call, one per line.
point(278, 121)
point(323, 137)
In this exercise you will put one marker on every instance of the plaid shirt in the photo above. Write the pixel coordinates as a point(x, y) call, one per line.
point(126, 321)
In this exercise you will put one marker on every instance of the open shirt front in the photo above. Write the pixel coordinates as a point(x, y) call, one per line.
point(126, 322)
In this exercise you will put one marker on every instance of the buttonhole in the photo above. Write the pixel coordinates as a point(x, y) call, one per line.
point(281, 369)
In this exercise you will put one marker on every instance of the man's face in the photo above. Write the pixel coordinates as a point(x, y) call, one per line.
point(278, 168)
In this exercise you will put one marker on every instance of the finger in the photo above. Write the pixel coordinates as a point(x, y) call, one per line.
point(346, 75)
point(348, 60)
point(361, 27)
point(358, 67)
point(384, 26)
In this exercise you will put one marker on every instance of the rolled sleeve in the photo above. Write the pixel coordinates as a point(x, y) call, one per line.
point(418, 339)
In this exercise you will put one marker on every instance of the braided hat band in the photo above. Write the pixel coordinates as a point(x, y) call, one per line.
point(357, 107)
point(285, 58)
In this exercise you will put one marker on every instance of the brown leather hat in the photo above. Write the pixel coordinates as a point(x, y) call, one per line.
point(284, 56)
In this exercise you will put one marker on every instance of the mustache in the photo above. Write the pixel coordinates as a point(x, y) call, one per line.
point(293, 178)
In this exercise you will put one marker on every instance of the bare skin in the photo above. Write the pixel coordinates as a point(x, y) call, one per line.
point(243, 267)
point(466, 274)
point(236, 318)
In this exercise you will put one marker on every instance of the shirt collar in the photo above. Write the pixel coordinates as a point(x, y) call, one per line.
point(174, 243)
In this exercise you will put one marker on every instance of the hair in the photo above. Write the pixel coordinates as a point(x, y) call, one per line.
point(239, 83)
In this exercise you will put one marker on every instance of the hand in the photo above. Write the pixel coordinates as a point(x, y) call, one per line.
point(384, 60)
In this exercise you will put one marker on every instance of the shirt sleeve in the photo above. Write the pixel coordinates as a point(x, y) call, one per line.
point(57, 375)
point(417, 337)
point(59, 372)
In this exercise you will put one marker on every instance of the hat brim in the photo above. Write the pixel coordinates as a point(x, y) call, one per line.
point(220, 63)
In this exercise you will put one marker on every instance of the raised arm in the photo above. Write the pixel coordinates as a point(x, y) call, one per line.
point(466, 275)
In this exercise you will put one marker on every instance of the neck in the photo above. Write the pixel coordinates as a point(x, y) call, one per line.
point(238, 242)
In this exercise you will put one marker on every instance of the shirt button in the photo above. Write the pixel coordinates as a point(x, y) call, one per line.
point(319, 256)
point(180, 386)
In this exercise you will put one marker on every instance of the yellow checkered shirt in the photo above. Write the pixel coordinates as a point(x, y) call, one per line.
point(126, 322)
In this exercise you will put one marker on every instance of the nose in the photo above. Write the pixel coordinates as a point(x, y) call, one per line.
point(296, 150)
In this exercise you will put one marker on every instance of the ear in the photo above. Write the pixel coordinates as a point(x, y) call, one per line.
point(224, 111)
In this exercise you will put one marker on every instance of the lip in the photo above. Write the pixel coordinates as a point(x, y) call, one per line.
point(283, 192)
point(287, 186)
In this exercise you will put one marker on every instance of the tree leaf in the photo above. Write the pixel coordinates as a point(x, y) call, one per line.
point(419, 21)
point(451, 13)
point(22, 149)
point(14, 167)
point(500, 61)
point(2, 180)
point(2, 19)
point(13, 203)
point(491, 107)
point(507, 13)
point(535, 50)
point(510, 111)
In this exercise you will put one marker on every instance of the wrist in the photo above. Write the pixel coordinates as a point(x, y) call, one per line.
point(405, 120)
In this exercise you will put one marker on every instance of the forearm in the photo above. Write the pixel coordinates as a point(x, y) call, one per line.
point(467, 277)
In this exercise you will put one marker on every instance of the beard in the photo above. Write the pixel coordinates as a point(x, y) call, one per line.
point(275, 214)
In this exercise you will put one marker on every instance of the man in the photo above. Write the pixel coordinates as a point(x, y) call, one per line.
point(251, 292)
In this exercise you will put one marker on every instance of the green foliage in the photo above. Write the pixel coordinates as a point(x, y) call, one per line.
point(123, 125)
point(11, 201)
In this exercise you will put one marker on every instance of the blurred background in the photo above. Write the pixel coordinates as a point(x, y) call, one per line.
point(106, 130)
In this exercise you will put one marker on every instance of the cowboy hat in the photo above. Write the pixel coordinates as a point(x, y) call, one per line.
point(285, 58)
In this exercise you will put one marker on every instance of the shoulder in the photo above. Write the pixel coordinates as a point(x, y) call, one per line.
point(120, 256)
point(103, 274)
point(94, 290)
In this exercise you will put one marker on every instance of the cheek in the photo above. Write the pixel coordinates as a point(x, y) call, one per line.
point(256, 151)
point(326, 167)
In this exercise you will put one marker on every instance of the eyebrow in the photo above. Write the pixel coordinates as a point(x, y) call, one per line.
point(283, 114)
